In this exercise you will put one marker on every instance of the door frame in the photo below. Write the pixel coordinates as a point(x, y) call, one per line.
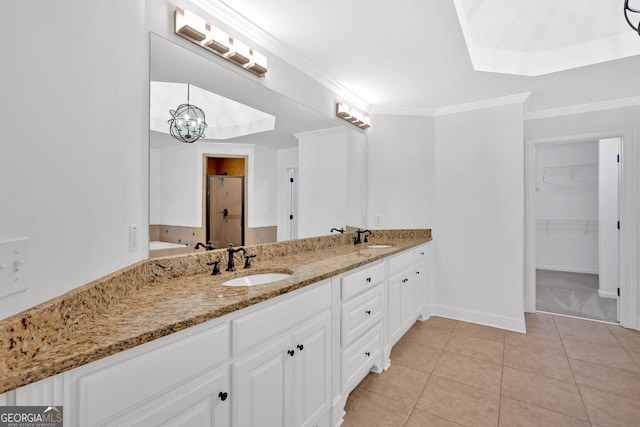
point(245, 196)
point(628, 218)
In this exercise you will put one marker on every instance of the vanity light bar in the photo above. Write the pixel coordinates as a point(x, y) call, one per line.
point(353, 116)
point(195, 29)
point(190, 25)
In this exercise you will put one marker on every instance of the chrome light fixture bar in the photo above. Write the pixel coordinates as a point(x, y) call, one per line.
point(195, 29)
point(353, 116)
point(628, 9)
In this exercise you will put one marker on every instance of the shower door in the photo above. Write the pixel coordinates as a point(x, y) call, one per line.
point(225, 210)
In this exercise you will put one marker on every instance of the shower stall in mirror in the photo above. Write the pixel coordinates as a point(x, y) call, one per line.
point(225, 201)
point(225, 210)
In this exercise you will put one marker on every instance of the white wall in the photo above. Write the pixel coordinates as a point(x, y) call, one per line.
point(180, 195)
point(401, 172)
point(566, 198)
point(322, 195)
point(356, 179)
point(263, 204)
point(155, 196)
point(74, 180)
point(608, 215)
point(479, 216)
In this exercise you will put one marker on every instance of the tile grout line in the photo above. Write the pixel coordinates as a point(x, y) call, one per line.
point(410, 414)
point(431, 375)
point(624, 348)
point(541, 407)
point(573, 374)
point(547, 409)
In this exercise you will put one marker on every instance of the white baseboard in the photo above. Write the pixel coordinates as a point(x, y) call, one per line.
point(566, 269)
point(486, 319)
point(605, 294)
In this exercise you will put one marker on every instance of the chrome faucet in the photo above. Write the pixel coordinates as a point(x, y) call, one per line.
point(357, 240)
point(231, 266)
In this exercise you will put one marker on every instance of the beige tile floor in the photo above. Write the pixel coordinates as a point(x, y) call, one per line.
point(563, 372)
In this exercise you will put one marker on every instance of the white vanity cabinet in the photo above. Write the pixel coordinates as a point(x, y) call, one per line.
point(286, 382)
point(402, 312)
point(362, 316)
point(179, 380)
point(290, 361)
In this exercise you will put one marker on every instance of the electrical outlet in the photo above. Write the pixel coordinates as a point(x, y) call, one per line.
point(133, 238)
point(13, 266)
point(377, 220)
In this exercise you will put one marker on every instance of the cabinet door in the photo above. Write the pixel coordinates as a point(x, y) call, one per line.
point(395, 315)
point(421, 284)
point(261, 393)
point(201, 402)
point(401, 304)
point(407, 301)
point(312, 362)
point(422, 258)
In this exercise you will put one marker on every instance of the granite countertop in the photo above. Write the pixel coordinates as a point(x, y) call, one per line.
point(162, 305)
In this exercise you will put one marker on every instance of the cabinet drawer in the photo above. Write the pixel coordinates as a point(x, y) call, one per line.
point(359, 314)
point(116, 388)
point(400, 261)
point(360, 281)
point(420, 254)
point(268, 322)
point(360, 357)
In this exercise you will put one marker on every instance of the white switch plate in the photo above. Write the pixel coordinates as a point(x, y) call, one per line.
point(14, 264)
point(133, 238)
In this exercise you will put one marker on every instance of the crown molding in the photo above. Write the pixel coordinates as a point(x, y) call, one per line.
point(584, 108)
point(229, 17)
point(461, 108)
point(321, 132)
point(403, 111)
point(481, 105)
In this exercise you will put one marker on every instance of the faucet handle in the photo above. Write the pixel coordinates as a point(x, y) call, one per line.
point(216, 266)
point(247, 260)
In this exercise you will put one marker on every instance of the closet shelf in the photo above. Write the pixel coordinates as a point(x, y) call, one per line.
point(587, 173)
point(585, 226)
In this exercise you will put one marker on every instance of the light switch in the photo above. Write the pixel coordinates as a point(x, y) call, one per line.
point(14, 263)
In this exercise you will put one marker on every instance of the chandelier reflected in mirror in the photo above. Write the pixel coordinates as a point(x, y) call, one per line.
point(187, 123)
point(628, 9)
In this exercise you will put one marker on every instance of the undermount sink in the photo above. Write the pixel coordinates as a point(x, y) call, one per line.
point(256, 279)
point(378, 246)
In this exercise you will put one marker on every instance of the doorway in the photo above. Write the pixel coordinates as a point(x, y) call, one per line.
point(577, 246)
point(225, 201)
point(628, 269)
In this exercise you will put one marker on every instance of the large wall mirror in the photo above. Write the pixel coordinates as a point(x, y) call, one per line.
point(267, 169)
